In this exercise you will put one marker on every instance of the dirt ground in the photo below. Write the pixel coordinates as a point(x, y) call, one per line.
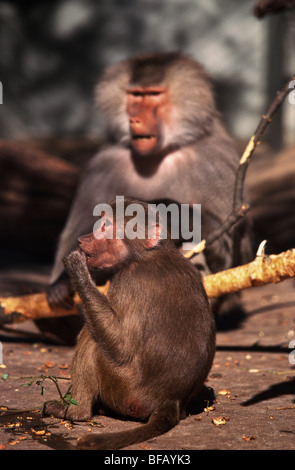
point(252, 378)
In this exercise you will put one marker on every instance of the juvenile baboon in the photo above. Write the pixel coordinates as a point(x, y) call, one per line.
point(147, 347)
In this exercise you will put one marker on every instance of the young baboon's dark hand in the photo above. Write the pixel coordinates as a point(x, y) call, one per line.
point(75, 261)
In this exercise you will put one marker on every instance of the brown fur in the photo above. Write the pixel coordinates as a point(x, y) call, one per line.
point(147, 347)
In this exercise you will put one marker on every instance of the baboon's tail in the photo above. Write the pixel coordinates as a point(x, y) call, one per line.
point(160, 421)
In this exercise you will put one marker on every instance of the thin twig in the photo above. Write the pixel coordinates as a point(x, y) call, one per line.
point(240, 208)
point(39, 379)
point(16, 411)
point(255, 140)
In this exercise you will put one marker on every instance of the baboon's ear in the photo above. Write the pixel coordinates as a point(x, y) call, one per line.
point(153, 236)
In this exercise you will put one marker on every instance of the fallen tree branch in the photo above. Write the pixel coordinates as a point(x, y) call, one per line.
point(240, 208)
point(263, 270)
point(34, 307)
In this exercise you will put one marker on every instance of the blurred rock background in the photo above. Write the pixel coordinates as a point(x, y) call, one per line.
point(52, 53)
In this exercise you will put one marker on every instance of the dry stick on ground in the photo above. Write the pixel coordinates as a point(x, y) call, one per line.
point(240, 208)
point(263, 270)
point(33, 307)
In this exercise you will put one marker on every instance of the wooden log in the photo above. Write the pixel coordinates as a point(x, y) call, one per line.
point(263, 270)
point(33, 307)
